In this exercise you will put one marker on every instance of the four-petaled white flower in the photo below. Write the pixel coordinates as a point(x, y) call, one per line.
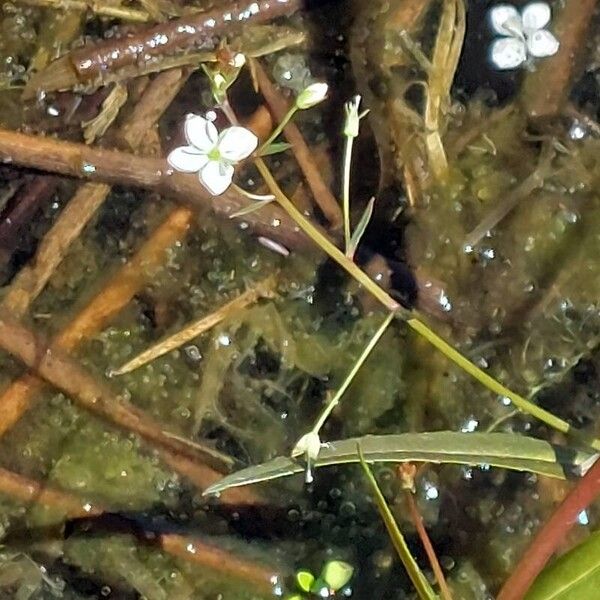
point(523, 34)
point(210, 154)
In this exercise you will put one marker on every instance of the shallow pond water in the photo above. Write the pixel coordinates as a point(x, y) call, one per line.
point(485, 223)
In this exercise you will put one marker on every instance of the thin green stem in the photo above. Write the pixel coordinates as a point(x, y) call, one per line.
point(346, 192)
point(352, 374)
point(414, 323)
point(288, 117)
point(424, 589)
point(325, 244)
point(492, 384)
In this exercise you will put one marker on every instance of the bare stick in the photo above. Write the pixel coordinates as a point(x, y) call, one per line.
point(417, 520)
point(64, 373)
point(263, 290)
point(112, 166)
point(81, 208)
point(510, 201)
point(193, 550)
point(34, 193)
point(117, 293)
point(151, 106)
point(279, 107)
point(198, 31)
point(32, 278)
point(28, 490)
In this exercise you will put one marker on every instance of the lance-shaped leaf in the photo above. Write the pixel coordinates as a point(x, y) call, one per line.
point(573, 576)
point(505, 450)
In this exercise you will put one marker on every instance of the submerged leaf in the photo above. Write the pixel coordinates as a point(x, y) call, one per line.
point(336, 574)
point(361, 227)
point(574, 575)
point(275, 148)
point(505, 450)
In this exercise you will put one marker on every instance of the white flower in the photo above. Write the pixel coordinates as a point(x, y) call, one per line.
point(309, 445)
point(352, 121)
point(523, 34)
point(210, 154)
point(311, 95)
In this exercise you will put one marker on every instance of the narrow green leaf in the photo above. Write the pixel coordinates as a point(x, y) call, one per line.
point(573, 576)
point(419, 580)
point(504, 450)
point(253, 207)
point(275, 148)
point(361, 227)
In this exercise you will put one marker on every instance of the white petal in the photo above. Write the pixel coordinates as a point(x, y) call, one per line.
point(237, 143)
point(309, 444)
point(216, 177)
point(536, 15)
point(200, 132)
point(187, 159)
point(312, 95)
point(542, 43)
point(508, 53)
point(500, 14)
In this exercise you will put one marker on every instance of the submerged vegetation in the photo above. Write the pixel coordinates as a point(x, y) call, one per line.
point(338, 251)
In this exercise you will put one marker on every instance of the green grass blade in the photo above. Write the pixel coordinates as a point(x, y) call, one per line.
point(361, 227)
point(419, 580)
point(573, 576)
point(504, 450)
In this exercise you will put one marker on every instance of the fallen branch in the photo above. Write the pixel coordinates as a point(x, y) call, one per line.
point(200, 31)
point(304, 156)
point(78, 212)
point(112, 166)
point(190, 549)
point(263, 290)
point(64, 373)
point(147, 112)
point(417, 520)
point(552, 535)
point(34, 193)
point(32, 278)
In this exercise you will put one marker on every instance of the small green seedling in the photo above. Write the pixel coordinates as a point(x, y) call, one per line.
point(332, 581)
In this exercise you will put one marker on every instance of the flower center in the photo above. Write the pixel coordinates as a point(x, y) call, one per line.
point(214, 154)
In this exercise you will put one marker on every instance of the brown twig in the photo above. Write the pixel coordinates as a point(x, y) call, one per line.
point(546, 89)
point(32, 278)
point(112, 166)
point(279, 107)
point(81, 208)
point(264, 289)
point(506, 205)
point(552, 535)
point(417, 520)
point(117, 293)
point(191, 32)
point(34, 193)
point(27, 490)
point(151, 106)
point(190, 549)
point(64, 373)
